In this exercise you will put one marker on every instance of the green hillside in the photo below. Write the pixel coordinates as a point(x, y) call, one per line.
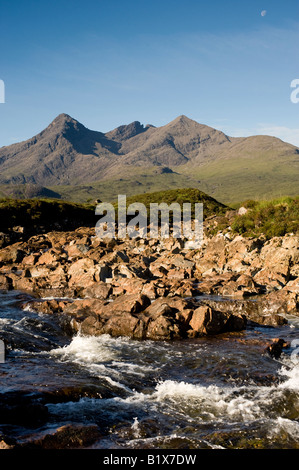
point(271, 218)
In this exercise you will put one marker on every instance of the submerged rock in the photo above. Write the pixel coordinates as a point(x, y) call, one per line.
point(15, 408)
point(70, 436)
point(276, 347)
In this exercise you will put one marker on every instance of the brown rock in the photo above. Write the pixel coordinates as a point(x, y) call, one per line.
point(30, 259)
point(163, 328)
point(276, 347)
point(6, 282)
point(12, 254)
point(133, 303)
point(68, 437)
point(257, 312)
point(283, 301)
point(82, 273)
point(50, 257)
point(38, 271)
point(97, 290)
point(207, 321)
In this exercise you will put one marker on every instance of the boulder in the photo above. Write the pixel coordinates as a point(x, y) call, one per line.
point(82, 273)
point(207, 321)
point(255, 312)
point(97, 290)
point(70, 436)
point(12, 254)
point(275, 348)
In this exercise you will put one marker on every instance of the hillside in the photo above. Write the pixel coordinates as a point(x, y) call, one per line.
point(22, 218)
point(80, 164)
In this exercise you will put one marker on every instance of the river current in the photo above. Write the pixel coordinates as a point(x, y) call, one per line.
point(208, 393)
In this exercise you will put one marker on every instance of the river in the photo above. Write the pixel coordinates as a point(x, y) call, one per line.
point(220, 392)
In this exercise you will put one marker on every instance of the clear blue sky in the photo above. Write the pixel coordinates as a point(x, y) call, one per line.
point(111, 62)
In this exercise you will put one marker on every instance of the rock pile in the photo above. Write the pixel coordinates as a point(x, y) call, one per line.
point(155, 288)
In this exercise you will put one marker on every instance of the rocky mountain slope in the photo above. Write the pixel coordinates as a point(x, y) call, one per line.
point(66, 153)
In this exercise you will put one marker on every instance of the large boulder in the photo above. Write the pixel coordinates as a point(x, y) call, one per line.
point(208, 321)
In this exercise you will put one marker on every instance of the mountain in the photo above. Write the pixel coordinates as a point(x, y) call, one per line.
point(183, 152)
point(65, 152)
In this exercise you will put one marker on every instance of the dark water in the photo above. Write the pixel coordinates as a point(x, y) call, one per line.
point(220, 392)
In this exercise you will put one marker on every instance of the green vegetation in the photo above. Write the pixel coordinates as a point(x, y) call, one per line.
point(181, 196)
point(271, 218)
point(50, 214)
point(132, 184)
point(259, 175)
point(275, 217)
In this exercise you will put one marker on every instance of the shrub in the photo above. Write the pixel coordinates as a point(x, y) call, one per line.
point(271, 218)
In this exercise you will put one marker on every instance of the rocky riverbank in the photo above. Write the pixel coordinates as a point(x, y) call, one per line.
point(155, 289)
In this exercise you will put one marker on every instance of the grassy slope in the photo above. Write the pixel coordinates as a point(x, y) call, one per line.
point(228, 181)
point(272, 218)
point(237, 179)
point(108, 190)
point(252, 174)
point(211, 206)
point(50, 214)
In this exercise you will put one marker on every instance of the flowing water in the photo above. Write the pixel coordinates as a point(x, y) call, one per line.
point(220, 392)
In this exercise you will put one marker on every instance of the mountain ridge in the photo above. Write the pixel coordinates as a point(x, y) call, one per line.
point(68, 153)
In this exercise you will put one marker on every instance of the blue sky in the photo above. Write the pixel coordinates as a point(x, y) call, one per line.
point(111, 62)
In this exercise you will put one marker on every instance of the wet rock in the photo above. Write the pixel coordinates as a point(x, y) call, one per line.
point(17, 409)
point(7, 443)
point(275, 349)
point(166, 318)
point(284, 300)
point(45, 306)
point(75, 393)
point(70, 436)
point(259, 312)
point(117, 318)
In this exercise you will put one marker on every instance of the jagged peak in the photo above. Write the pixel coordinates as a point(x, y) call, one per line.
point(127, 131)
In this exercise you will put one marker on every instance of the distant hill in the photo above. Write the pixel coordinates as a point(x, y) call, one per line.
point(186, 195)
point(77, 163)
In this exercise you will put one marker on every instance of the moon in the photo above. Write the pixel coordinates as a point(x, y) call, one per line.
point(263, 13)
